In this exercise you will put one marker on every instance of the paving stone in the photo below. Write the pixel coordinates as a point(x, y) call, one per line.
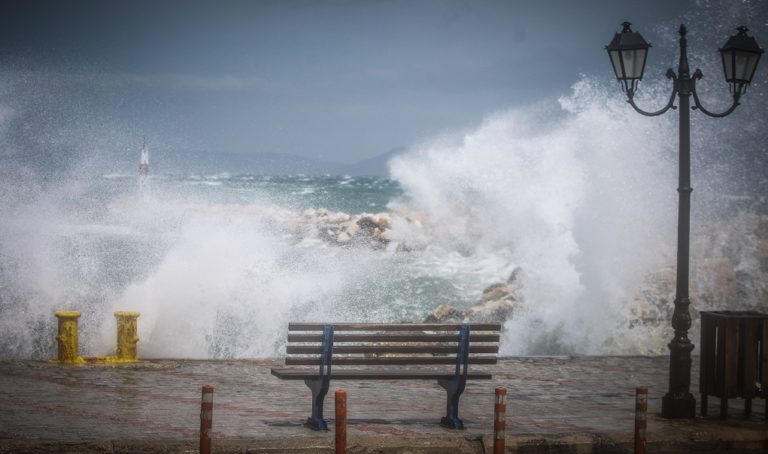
point(154, 406)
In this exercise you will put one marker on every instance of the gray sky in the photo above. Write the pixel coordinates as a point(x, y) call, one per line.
point(333, 80)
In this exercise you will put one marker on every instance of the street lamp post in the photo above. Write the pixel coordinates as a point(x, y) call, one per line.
point(740, 55)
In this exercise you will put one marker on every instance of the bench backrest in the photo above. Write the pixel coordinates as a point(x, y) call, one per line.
point(355, 344)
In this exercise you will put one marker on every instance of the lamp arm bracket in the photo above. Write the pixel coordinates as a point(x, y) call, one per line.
point(670, 105)
point(697, 104)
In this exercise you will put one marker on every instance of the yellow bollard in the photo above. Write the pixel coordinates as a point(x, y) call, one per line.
point(67, 337)
point(126, 336)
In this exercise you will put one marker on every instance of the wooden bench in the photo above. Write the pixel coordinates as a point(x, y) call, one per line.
point(401, 351)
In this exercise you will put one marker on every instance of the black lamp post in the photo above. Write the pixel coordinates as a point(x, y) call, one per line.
point(740, 54)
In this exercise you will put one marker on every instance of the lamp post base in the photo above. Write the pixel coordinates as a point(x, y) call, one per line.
point(682, 406)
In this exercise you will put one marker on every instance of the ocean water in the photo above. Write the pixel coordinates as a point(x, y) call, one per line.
point(577, 191)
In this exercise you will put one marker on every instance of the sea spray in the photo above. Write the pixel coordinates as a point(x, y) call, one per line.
point(570, 192)
point(226, 286)
point(578, 193)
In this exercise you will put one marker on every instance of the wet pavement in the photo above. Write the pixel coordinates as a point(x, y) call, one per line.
point(555, 404)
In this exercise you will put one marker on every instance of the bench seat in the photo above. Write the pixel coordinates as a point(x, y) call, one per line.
point(304, 374)
point(394, 351)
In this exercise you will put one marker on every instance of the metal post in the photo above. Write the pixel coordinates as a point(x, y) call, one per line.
point(641, 408)
point(499, 421)
point(679, 402)
point(341, 421)
point(206, 419)
point(67, 337)
point(127, 336)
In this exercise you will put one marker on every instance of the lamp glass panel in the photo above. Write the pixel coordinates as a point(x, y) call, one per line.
point(750, 65)
point(728, 64)
point(741, 66)
point(616, 62)
point(629, 63)
point(633, 63)
point(640, 62)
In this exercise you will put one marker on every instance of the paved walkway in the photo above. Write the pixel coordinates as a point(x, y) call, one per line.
point(556, 404)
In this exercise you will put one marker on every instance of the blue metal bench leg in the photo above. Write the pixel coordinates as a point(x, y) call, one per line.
point(319, 386)
point(319, 390)
point(454, 388)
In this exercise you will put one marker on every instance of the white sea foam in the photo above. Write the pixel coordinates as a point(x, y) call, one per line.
point(577, 193)
point(225, 287)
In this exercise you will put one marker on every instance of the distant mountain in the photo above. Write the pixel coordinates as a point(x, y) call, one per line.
point(266, 164)
point(252, 163)
point(375, 166)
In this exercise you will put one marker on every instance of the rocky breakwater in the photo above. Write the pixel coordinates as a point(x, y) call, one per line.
point(497, 304)
point(370, 229)
point(404, 232)
point(729, 267)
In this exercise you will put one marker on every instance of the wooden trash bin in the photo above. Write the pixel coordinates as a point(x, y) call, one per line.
point(734, 358)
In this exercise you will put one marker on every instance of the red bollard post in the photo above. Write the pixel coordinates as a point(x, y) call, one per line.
point(499, 421)
point(341, 421)
point(206, 419)
point(641, 407)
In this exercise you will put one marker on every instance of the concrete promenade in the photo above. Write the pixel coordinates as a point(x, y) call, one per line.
point(556, 404)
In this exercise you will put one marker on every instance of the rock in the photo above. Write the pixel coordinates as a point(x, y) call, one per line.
point(492, 311)
point(497, 304)
point(497, 292)
point(383, 221)
point(367, 225)
point(338, 218)
point(445, 314)
point(366, 229)
point(351, 228)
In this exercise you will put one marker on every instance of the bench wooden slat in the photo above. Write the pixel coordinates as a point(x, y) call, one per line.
point(394, 327)
point(303, 374)
point(387, 360)
point(346, 337)
point(383, 349)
